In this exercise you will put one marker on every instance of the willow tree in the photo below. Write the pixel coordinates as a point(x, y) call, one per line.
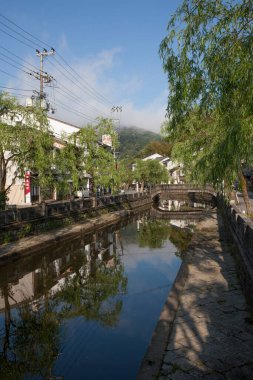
point(86, 155)
point(208, 56)
point(150, 172)
point(25, 143)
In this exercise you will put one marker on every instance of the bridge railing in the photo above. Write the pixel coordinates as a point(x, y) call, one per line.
point(183, 187)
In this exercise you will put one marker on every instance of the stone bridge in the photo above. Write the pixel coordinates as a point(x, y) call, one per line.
point(185, 192)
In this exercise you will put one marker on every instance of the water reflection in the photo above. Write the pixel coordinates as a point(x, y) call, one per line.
point(103, 283)
point(180, 205)
point(154, 233)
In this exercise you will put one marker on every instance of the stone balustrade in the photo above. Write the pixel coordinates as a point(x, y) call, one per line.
point(241, 228)
point(46, 210)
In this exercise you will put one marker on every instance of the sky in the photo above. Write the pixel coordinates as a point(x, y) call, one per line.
point(106, 56)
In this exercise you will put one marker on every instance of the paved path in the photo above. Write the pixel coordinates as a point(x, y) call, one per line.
point(240, 201)
point(212, 334)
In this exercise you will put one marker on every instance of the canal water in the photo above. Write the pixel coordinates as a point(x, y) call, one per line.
point(86, 309)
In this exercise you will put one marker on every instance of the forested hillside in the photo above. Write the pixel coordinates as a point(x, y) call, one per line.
point(133, 140)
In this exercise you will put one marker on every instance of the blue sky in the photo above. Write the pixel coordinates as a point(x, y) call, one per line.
point(112, 44)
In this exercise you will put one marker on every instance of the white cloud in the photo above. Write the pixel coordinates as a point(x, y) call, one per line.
point(149, 117)
point(80, 101)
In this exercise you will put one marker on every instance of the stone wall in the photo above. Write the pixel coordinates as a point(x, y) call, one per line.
point(50, 209)
point(16, 223)
point(241, 229)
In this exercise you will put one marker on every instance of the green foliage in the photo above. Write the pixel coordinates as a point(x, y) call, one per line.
point(25, 143)
point(150, 172)
point(180, 237)
point(38, 332)
point(208, 57)
point(84, 153)
point(153, 234)
point(160, 147)
point(92, 297)
point(133, 140)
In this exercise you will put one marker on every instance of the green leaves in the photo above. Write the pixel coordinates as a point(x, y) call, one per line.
point(84, 154)
point(150, 172)
point(208, 56)
point(25, 143)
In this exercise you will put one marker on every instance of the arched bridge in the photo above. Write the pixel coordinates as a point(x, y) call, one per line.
point(184, 192)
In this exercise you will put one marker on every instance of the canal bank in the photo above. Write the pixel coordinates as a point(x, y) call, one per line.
point(102, 218)
point(205, 330)
point(94, 299)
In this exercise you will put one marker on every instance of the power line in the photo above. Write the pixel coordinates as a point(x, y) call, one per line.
point(15, 55)
point(92, 91)
point(95, 91)
point(12, 64)
point(77, 100)
point(13, 88)
point(13, 76)
point(77, 113)
point(14, 94)
point(19, 34)
point(23, 30)
point(17, 39)
point(76, 82)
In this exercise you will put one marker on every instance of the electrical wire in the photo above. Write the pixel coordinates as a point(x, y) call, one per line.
point(17, 39)
point(75, 110)
point(16, 89)
point(76, 99)
point(91, 90)
point(19, 34)
point(23, 30)
point(15, 55)
point(77, 113)
point(13, 65)
point(95, 92)
point(76, 82)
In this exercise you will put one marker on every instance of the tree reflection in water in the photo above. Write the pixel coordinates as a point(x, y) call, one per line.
point(33, 341)
point(94, 296)
point(31, 338)
point(154, 233)
point(85, 278)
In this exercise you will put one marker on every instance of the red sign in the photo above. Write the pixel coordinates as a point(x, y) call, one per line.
point(28, 186)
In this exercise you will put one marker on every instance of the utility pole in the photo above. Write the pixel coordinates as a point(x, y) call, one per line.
point(113, 110)
point(116, 109)
point(42, 76)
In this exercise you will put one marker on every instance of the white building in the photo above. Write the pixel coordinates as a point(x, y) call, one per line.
point(24, 192)
point(175, 169)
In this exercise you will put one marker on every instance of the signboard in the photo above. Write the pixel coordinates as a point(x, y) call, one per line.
point(28, 186)
point(107, 140)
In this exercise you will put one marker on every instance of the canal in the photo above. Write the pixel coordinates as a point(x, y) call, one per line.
point(86, 309)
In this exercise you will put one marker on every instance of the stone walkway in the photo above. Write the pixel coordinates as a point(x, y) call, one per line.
point(212, 334)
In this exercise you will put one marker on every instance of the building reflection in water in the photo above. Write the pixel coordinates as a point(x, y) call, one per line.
point(40, 292)
point(83, 278)
point(176, 205)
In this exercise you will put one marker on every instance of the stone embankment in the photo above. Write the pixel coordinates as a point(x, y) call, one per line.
point(103, 218)
point(206, 329)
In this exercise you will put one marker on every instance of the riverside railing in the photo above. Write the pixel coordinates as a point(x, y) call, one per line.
point(52, 209)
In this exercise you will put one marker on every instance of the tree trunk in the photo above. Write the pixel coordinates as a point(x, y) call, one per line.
point(246, 198)
point(3, 174)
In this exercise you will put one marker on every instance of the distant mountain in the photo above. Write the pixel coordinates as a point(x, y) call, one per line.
point(133, 140)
